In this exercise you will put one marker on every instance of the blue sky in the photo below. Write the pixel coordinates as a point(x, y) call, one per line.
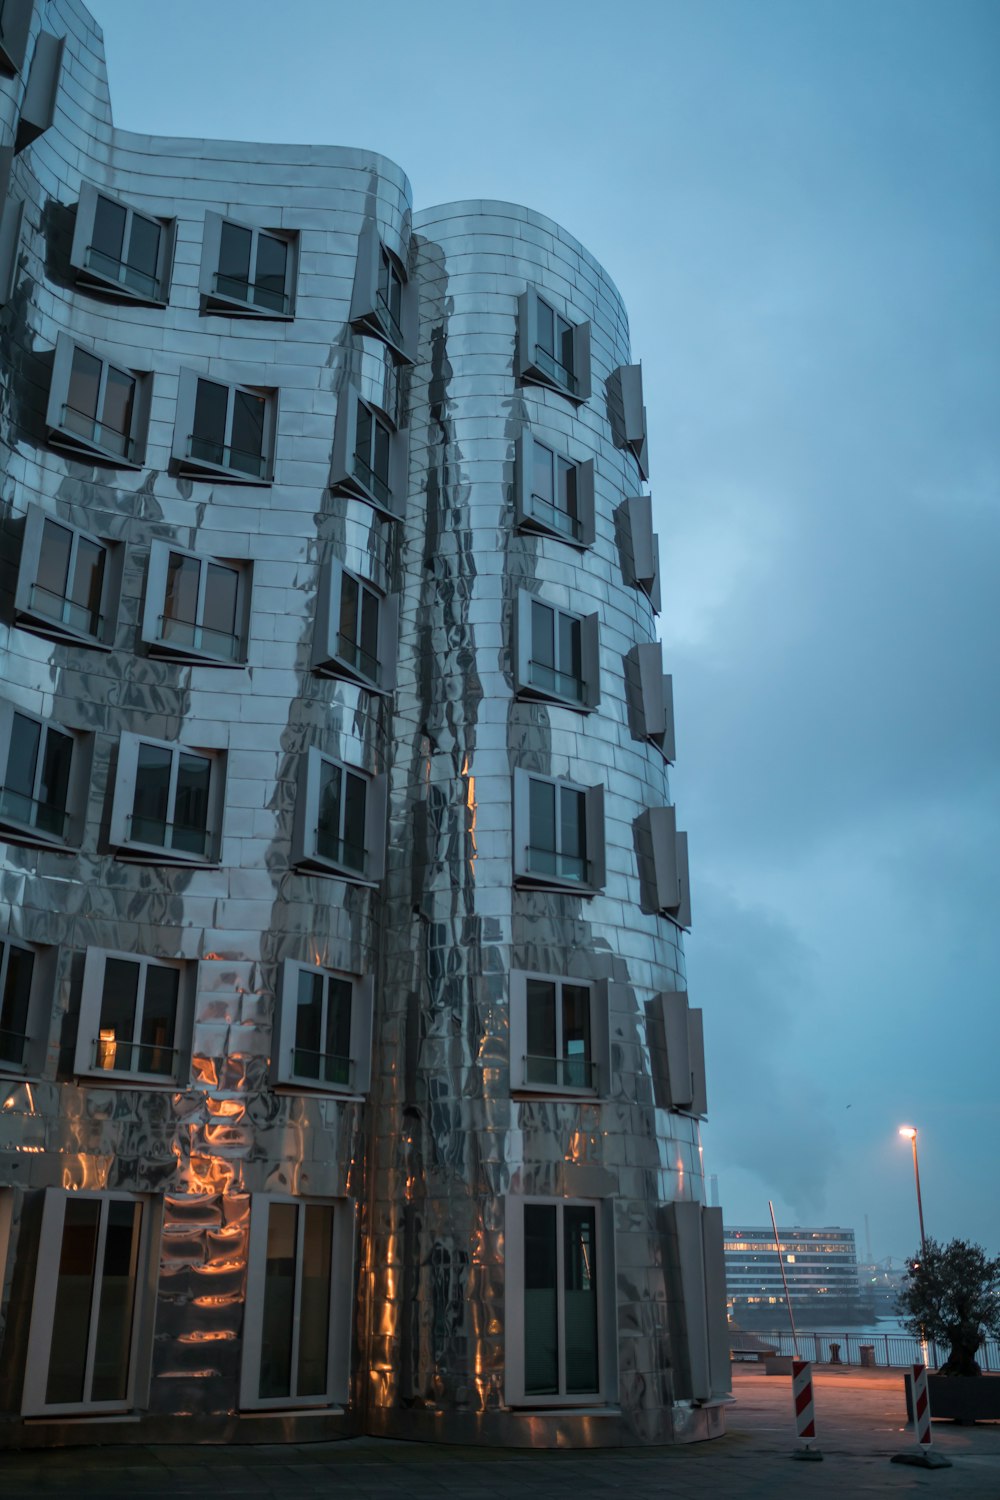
point(800, 204)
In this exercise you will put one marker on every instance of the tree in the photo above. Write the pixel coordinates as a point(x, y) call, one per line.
point(952, 1294)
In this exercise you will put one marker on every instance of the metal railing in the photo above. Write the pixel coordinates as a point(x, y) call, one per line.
point(110, 268)
point(357, 657)
point(554, 517)
point(372, 482)
point(544, 861)
point(111, 1054)
point(561, 1072)
point(33, 813)
point(253, 293)
point(322, 1067)
point(549, 679)
point(554, 368)
point(175, 632)
point(186, 838)
point(66, 611)
point(99, 434)
point(889, 1350)
point(239, 460)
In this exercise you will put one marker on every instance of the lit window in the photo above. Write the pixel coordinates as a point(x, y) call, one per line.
point(96, 406)
point(119, 251)
point(369, 455)
point(558, 833)
point(323, 1036)
point(167, 805)
point(134, 1015)
point(558, 656)
point(340, 821)
point(225, 430)
point(383, 302)
point(552, 350)
point(247, 272)
point(558, 1034)
point(356, 629)
point(67, 582)
point(45, 778)
point(88, 1346)
point(299, 1302)
point(555, 494)
point(197, 608)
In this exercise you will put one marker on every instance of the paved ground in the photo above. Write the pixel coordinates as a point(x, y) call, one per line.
point(860, 1417)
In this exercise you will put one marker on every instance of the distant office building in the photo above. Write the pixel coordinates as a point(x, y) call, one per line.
point(820, 1267)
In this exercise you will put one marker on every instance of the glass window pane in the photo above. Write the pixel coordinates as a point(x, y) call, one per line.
point(117, 1024)
point(87, 589)
point(541, 1357)
point(210, 409)
point(53, 567)
point(53, 788)
point(158, 1031)
point(368, 662)
point(542, 815)
point(248, 433)
point(116, 416)
point(194, 775)
point(580, 1283)
point(150, 806)
point(568, 489)
point(354, 822)
point(73, 1301)
point(328, 827)
point(380, 462)
point(80, 412)
point(577, 1071)
point(363, 437)
point(314, 1313)
point(543, 638)
point(308, 1025)
point(572, 833)
point(570, 657)
point(272, 262)
point(143, 255)
point(14, 1002)
point(564, 346)
point(278, 1312)
point(542, 484)
point(541, 1029)
point(348, 631)
point(109, 234)
point(234, 262)
point(117, 1302)
point(219, 620)
point(180, 599)
point(22, 763)
point(546, 327)
point(338, 1031)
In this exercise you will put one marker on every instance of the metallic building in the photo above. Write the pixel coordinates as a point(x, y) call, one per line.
point(348, 1073)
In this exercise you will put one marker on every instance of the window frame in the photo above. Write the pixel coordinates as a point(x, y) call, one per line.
point(155, 598)
point(89, 1021)
point(26, 613)
point(599, 1000)
point(104, 284)
point(367, 315)
point(35, 1038)
point(590, 654)
point(514, 1305)
point(305, 854)
point(344, 477)
point(527, 519)
point(62, 436)
point(139, 851)
point(186, 463)
point(24, 831)
point(328, 657)
point(15, 24)
point(593, 832)
point(43, 1304)
point(545, 371)
point(284, 1050)
point(222, 304)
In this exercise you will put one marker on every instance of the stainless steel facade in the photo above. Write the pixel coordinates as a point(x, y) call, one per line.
point(427, 1166)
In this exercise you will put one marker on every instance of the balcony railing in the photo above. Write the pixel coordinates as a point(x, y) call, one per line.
point(553, 862)
point(355, 656)
point(322, 1067)
point(561, 1072)
point(555, 518)
point(182, 838)
point(180, 633)
point(549, 679)
point(340, 851)
point(112, 1054)
point(110, 268)
point(253, 293)
point(66, 611)
point(44, 816)
point(562, 374)
point(101, 435)
point(888, 1350)
point(224, 456)
point(372, 482)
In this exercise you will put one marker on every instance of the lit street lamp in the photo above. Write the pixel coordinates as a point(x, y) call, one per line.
point(909, 1131)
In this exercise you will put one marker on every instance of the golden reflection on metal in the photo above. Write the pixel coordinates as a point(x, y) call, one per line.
point(107, 1047)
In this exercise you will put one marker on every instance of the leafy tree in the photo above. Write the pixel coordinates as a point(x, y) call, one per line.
point(952, 1294)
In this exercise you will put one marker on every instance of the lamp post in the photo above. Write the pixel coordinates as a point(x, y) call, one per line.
point(910, 1134)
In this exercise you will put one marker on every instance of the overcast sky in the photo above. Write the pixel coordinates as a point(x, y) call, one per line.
point(799, 202)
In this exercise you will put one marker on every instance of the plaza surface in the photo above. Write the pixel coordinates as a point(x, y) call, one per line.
point(860, 1417)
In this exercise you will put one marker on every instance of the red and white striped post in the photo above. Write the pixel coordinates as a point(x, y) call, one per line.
point(805, 1414)
point(925, 1457)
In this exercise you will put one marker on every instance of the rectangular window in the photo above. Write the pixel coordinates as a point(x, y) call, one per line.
point(17, 966)
point(226, 430)
point(559, 832)
point(85, 1346)
point(356, 629)
point(96, 406)
point(552, 350)
point(323, 1030)
point(43, 791)
point(369, 455)
point(340, 821)
point(559, 1038)
point(120, 251)
point(15, 23)
point(67, 581)
point(197, 608)
point(133, 1018)
point(383, 303)
point(555, 493)
point(372, 443)
point(558, 655)
point(298, 1303)
point(167, 801)
point(247, 272)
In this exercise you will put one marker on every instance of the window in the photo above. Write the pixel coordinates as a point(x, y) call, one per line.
point(677, 1053)
point(552, 351)
point(247, 272)
point(17, 967)
point(559, 1309)
point(46, 773)
point(557, 653)
point(559, 1041)
point(663, 864)
point(11, 220)
point(225, 430)
point(639, 546)
point(369, 455)
point(167, 805)
point(356, 629)
point(383, 303)
point(96, 406)
point(299, 1303)
point(555, 495)
point(628, 414)
point(197, 608)
point(134, 1015)
point(88, 1346)
point(323, 1031)
point(558, 833)
point(120, 250)
point(68, 581)
point(340, 822)
point(650, 697)
point(15, 23)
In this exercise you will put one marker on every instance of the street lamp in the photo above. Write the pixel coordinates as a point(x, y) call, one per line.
point(910, 1133)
